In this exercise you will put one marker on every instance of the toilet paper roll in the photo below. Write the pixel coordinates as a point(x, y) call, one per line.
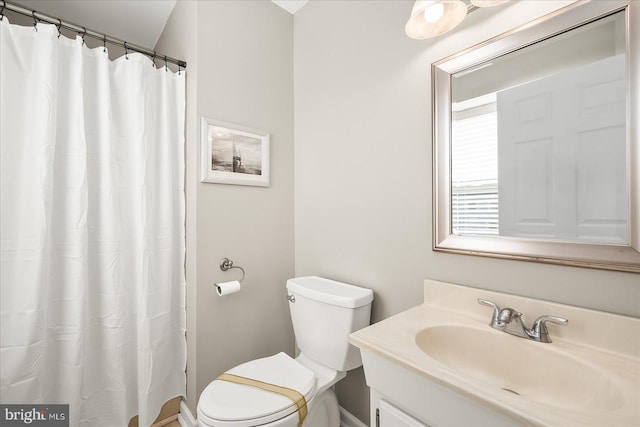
point(226, 288)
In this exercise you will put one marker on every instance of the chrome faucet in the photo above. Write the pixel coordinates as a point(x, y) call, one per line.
point(510, 321)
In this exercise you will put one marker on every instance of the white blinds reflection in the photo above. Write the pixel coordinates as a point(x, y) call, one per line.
point(474, 171)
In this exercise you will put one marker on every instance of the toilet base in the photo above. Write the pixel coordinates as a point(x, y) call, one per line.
point(324, 411)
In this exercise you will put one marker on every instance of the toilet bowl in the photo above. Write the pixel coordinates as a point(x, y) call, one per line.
point(323, 312)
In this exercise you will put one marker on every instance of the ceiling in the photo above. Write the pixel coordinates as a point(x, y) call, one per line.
point(139, 22)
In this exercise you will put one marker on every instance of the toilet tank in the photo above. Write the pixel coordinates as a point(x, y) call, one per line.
point(324, 312)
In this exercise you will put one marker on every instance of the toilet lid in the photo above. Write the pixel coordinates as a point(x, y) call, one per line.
point(227, 401)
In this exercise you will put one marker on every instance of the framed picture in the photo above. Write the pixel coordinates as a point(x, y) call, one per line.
point(234, 154)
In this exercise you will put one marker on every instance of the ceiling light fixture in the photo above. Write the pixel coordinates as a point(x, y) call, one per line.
point(431, 18)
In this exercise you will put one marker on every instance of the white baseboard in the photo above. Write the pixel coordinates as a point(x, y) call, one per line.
point(185, 417)
point(347, 419)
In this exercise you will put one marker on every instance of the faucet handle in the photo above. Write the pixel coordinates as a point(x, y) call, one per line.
point(495, 321)
point(540, 328)
point(489, 303)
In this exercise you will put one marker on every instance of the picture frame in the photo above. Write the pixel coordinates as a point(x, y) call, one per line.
point(233, 154)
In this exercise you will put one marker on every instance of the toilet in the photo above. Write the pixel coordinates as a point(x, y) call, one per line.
point(323, 312)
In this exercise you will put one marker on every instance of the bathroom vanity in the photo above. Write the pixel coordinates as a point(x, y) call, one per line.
point(443, 364)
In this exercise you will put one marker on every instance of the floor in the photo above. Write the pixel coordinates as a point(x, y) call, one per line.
point(167, 417)
point(169, 422)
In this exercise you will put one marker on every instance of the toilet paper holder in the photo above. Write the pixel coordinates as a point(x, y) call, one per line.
point(227, 264)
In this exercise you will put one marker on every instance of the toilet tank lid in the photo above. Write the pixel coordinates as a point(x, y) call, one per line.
point(330, 291)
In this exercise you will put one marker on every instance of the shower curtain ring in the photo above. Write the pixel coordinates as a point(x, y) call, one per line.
point(153, 60)
point(35, 20)
point(165, 63)
point(126, 51)
point(2, 11)
point(104, 43)
point(84, 33)
point(59, 26)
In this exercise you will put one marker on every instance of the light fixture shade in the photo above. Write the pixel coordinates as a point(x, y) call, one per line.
point(453, 12)
point(487, 3)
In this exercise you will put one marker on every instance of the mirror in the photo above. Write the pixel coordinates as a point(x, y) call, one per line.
point(536, 141)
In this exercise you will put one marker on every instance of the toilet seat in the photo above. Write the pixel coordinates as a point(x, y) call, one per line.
point(224, 403)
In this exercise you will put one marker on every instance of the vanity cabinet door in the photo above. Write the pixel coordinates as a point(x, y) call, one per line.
point(390, 416)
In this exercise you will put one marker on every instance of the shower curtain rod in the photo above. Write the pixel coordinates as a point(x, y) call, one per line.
point(82, 31)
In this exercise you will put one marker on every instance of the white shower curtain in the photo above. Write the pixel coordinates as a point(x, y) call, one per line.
point(92, 229)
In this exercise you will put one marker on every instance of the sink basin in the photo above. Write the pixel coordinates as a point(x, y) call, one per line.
point(534, 371)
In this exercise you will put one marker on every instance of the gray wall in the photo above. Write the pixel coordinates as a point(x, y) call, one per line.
point(240, 70)
point(363, 166)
